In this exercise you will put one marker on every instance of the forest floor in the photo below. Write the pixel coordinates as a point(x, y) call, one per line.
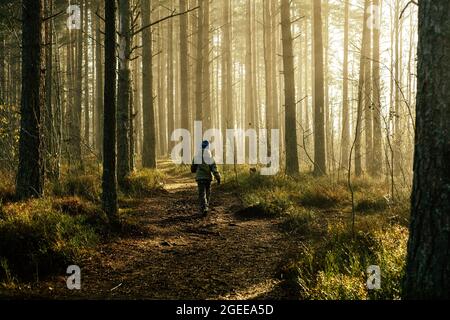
point(177, 254)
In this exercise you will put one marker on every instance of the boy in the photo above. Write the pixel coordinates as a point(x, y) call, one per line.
point(204, 166)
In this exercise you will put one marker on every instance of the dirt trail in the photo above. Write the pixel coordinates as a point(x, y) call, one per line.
point(181, 255)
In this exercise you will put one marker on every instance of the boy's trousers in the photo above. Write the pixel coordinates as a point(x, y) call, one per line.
point(204, 192)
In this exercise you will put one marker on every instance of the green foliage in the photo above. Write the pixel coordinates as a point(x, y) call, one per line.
point(335, 268)
point(332, 263)
point(144, 183)
point(92, 214)
point(300, 221)
point(36, 239)
point(323, 195)
point(85, 186)
point(372, 204)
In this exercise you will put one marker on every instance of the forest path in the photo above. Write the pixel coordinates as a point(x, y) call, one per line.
point(177, 254)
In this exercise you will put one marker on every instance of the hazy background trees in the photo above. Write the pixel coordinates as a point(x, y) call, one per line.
point(336, 77)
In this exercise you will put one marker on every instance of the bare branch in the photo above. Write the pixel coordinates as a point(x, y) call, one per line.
point(407, 5)
point(173, 15)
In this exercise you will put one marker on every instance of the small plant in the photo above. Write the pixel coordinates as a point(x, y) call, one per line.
point(323, 196)
point(372, 204)
point(85, 186)
point(145, 183)
point(300, 221)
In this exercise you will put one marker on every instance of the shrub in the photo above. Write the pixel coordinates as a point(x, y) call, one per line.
point(300, 221)
point(85, 186)
point(269, 204)
point(145, 183)
point(372, 204)
point(37, 240)
point(323, 196)
point(92, 214)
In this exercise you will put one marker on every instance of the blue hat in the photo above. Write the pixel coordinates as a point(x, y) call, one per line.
point(205, 144)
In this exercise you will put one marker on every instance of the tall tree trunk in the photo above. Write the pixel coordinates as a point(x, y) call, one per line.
point(292, 166)
point(345, 139)
point(377, 135)
point(307, 126)
point(170, 81)
point(319, 125)
point(75, 135)
point(397, 83)
point(162, 109)
point(199, 63)
point(123, 94)
point(48, 112)
point(137, 113)
point(227, 71)
point(207, 116)
point(30, 171)
point(148, 108)
point(368, 117)
point(268, 64)
point(274, 68)
point(249, 90)
point(184, 68)
point(327, 107)
point(428, 259)
point(109, 182)
point(86, 79)
point(99, 86)
point(361, 89)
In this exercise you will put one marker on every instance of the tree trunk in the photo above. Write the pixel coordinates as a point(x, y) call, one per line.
point(99, 86)
point(345, 140)
point(249, 95)
point(207, 115)
point(109, 182)
point(49, 151)
point(274, 67)
point(30, 171)
point(86, 79)
point(319, 125)
point(268, 64)
point(377, 135)
point(428, 259)
point(367, 97)
point(75, 135)
point(123, 94)
point(361, 90)
point(292, 166)
point(199, 63)
point(184, 68)
point(148, 108)
point(170, 81)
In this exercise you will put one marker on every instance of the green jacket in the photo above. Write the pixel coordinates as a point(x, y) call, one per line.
point(205, 171)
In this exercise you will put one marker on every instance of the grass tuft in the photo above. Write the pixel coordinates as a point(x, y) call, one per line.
point(144, 183)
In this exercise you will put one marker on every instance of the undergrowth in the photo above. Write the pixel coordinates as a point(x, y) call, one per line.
point(332, 261)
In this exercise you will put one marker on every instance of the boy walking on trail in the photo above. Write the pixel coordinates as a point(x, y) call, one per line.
point(204, 166)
